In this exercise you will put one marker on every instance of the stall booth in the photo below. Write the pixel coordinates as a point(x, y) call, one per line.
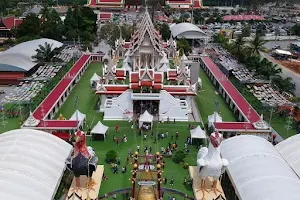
point(213, 118)
point(99, 131)
point(80, 117)
point(146, 121)
point(198, 133)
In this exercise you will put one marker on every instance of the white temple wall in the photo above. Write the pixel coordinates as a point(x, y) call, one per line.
point(172, 108)
point(115, 108)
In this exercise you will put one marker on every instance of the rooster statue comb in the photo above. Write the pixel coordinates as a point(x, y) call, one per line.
point(83, 161)
point(210, 163)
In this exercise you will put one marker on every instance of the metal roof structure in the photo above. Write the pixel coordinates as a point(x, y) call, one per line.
point(19, 57)
point(188, 31)
point(32, 164)
point(257, 170)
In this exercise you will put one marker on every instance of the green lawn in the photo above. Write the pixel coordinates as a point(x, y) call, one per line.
point(11, 123)
point(86, 104)
point(206, 103)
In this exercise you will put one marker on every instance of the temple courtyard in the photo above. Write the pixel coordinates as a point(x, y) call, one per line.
point(87, 102)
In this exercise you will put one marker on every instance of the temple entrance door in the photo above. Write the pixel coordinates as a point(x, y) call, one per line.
point(140, 106)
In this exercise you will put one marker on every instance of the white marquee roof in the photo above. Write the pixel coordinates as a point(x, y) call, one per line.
point(95, 77)
point(258, 171)
point(99, 128)
point(19, 57)
point(290, 150)
point(78, 116)
point(211, 118)
point(146, 117)
point(198, 133)
point(32, 164)
point(188, 31)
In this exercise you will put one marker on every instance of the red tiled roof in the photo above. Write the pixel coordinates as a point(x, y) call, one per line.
point(9, 22)
point(134, 86)
point(234, 126)
point(146, 83)
point(120, 72)
point(127, 45)
point(243, 17)
point(60, 88)
point(109, 92)
point(239, 100)
point(105, 16)
point(18, 22)
point(116, 88)
point(58, 124)
point(197, 4)
point(157, 86)
point(179, 2)
point(134, 77)
point(158, 78)
point(109, 1)
point(172, 73)
point(62, 135)
point(175, 89)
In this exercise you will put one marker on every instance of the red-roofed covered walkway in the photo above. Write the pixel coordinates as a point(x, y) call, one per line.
point(246, 114)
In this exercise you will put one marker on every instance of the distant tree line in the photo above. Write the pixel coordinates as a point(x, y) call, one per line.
point(80, 22)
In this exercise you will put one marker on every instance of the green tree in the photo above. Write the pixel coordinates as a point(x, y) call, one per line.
point(154, 6)
point(45, 53)
point(246, 31)
point(52, 27)
point(267, 69)
point(30, 28)
point(238, 45)
point(256, 45)
point(284, 84)
point(179, 156)
point(183, 45)
point(111, 32)
point(165, 31)
point(296, 29)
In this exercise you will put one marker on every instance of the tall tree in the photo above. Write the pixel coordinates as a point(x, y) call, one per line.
point(154, 5)
point(183, 45)
point(165, 31)
point(45, 53)
point(256, 44)
point(30, 28)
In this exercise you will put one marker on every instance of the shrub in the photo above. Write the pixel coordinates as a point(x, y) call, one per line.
point(185, 166)
point(179, 156)
point(111, 156)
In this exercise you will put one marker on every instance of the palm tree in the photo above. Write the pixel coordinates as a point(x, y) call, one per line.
point(284, 84)
point(238, 45)
point(45, 53)
point(256, 44)
point(267, 69)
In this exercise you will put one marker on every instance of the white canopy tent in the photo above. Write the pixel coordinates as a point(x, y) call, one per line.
point(95, 78)
point(78, 116)
point(33, 163)
point(197, 133)
point(145, 117)
point(257, 170)
point(214, 118)
point(99, 129)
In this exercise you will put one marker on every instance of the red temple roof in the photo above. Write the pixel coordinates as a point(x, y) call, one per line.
point(158, 78)
point(10, 22)
point(105, 16)
point(146, 83)
point(179, 2)
point(243, 17)
point(242, 126)
point(120, 72)
point(134, 77)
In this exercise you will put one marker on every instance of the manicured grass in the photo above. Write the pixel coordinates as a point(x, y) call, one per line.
point(86, 104)
point(12, 123)
point(206, 101)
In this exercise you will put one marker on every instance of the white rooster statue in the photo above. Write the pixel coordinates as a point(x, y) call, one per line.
point(210, 163)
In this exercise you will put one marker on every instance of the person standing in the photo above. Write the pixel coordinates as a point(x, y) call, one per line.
point(117, 127)
point(150, 149)
point(138, 148)
point(165, 180)
point(172, 181)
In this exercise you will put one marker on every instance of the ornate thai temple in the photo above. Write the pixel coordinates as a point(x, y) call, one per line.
point(146, 73)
